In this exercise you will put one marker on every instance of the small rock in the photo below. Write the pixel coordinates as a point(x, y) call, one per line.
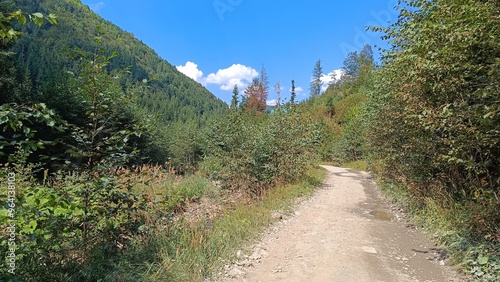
point(277, 215)
point(264, 253)
point(255, 256)
point(369, 250)
point(278, 270)
point(245, 263)
point(234, 273)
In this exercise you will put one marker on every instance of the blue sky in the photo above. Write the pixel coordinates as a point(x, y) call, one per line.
point(220, 43)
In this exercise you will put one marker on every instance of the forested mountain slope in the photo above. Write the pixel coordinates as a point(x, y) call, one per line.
point(44, 56)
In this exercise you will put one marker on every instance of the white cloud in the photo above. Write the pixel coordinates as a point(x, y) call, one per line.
point(191, 70)
point(331, 77)
point(236, 74)
point(298, 89)
point(96, 7)
point(337, 74)
point(272, 103)
point(227, 78)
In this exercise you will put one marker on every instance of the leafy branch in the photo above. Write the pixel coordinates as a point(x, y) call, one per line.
point(7, 32)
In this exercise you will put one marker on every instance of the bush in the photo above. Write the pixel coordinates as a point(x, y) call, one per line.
point(252, 153)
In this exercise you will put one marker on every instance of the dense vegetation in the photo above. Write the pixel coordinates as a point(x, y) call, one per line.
point(81, 117)
point(47, 61)
point(427, 120)
point(83, 113)
point(442, 84)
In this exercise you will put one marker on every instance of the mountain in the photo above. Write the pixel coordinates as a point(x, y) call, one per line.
point(44, 57)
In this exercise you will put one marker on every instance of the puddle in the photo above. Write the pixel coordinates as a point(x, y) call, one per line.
point(382, 215)
point(374, 207)
point(400, 247)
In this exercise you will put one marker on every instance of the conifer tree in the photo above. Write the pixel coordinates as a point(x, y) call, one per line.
point(264, 80)
point(234, 100)
point(351, 65)
point(243, 104)
point(355, 62)
point(255, 97)
point(316, 82)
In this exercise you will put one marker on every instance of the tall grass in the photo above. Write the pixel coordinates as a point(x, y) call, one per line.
point(187, 252)
point(142, 238)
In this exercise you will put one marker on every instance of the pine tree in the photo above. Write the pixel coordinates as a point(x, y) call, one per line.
point(255, 97)
point(243, 104)
point(367, 54)
point(366, 60)
point(234, 100)
point(355, 62)
point(264, 80)
point(292, 96)
point(351, 66)
point(23, 93)
point(316, 82)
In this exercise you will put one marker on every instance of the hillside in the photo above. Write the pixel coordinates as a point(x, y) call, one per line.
point(45, 55)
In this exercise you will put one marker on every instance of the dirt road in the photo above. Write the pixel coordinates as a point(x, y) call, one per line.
point(345, 232)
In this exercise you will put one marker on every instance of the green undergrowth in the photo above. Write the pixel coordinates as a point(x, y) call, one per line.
point(184, 252)
point(190, 189)
point(478, 258)
point(358, 165)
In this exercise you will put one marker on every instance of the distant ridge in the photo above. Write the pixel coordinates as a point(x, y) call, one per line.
point(45, 54)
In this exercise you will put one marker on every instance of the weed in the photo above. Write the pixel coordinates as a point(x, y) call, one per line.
point(191, 253)
point(358, 165)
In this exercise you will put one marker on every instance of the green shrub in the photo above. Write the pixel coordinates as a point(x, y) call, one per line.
point(252, 153)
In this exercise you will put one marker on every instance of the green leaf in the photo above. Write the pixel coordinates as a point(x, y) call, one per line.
point(78, 212)
point(37, 18)
point(120, 145)
point(4, 213)
point(12, 33)
point(21, 18)
point(30, 227)
point(52, 18)
point(483, 260)
point(43, 201)
point(60, 211)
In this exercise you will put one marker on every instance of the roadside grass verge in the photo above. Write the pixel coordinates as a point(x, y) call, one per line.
point(361, 165)
point(478, 258)
point(158, 239)
point(187, 252)
point(357, 165)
